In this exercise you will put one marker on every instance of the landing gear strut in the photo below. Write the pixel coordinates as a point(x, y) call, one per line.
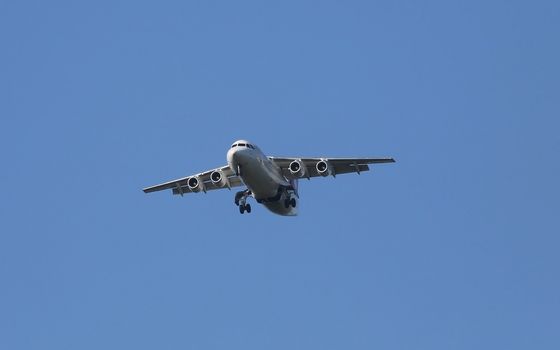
point(241, 201)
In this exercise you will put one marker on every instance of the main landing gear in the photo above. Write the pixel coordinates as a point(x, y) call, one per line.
point(290, 202)
point(241, 201)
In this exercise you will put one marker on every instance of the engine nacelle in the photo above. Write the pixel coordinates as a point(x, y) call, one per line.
point(297, 168)
point(218, 178)
point(195, 184)
point(324, 168)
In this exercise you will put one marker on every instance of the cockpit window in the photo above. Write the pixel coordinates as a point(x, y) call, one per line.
point(243, 145)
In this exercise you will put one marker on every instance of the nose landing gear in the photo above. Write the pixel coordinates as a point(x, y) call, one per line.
point(241, 201)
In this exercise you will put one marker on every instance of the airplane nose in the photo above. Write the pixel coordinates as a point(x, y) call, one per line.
point(231, 159)
point(236, 157)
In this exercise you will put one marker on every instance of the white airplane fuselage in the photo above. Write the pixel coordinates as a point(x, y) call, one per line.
point(263, 178)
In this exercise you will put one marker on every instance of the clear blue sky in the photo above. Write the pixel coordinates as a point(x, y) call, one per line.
point(456, 246)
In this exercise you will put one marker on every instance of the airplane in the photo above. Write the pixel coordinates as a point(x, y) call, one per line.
point(271, 181)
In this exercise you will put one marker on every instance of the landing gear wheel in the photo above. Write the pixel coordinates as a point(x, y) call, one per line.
point(241, 201)
point(293, 202)
point(287, 203)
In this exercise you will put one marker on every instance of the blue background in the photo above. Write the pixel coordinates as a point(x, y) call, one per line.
point(453, 247)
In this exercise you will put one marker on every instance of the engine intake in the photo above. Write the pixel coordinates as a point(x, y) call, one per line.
point(218, 178)
point(297, 168)
point(324, 168)
point(195, 185)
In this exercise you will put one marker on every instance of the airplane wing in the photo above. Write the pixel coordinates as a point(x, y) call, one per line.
point(202, 182)
point(313, 167)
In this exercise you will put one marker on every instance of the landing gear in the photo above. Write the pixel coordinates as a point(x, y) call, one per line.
point(241, 201)
point(241, 196)
point(290, 202)
point(245, 208)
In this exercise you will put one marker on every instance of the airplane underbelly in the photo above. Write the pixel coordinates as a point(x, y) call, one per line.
point(280, 209)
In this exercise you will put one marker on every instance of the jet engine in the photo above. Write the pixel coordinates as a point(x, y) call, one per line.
point(218, 178)
point(297, 168)
point(324, 168)
point(195, 184)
